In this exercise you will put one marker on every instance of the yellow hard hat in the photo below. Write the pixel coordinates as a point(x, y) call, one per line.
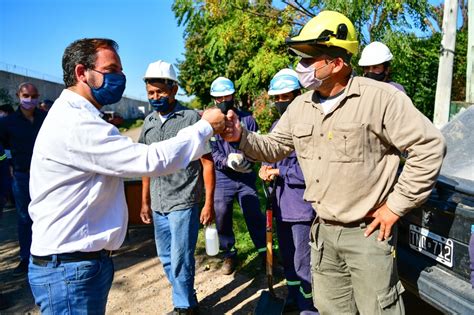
point(328, 28)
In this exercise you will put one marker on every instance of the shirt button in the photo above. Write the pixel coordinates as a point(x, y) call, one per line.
point(319, 158)
point(317, 181)
point(321, 135)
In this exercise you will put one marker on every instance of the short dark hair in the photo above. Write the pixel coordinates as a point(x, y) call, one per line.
point(83, 51)
point(25, 84)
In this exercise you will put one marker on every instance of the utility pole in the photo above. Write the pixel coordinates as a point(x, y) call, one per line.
point(470, 54)
point(446, 59)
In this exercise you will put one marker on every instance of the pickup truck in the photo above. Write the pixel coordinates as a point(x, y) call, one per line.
point(433, 242)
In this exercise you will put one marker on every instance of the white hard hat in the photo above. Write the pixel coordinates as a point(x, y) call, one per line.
point(160, 70)
point(286, 80)
point(375, 53)
point(222, 87)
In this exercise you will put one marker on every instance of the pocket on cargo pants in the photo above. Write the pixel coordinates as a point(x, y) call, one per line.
point(316, 247)
point(316, 254)
point(389, 298)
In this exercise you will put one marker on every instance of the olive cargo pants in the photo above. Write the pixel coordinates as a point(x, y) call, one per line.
point(353, 274)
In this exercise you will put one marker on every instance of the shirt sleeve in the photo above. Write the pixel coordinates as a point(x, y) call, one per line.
point(220, 158)
point(98, 147)
point(410, 131)
point(270, 148)
point(196, 117)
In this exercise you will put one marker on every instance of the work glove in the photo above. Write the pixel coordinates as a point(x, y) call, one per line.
point(238, 163)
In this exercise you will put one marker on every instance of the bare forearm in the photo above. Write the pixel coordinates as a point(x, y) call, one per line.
point(209, 176)
point(146, 200)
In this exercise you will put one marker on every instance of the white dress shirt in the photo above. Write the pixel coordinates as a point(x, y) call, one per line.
point(76, 186)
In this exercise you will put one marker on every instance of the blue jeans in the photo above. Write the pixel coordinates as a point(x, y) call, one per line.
point(72, 287)
point(21, 192)
point(175, 237)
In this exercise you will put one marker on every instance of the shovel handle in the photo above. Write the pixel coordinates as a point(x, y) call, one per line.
point(269, 235)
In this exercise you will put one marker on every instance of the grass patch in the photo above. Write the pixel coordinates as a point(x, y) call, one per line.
point(249, 262)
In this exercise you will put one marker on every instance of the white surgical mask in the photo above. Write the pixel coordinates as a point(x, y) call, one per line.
point(307, 75)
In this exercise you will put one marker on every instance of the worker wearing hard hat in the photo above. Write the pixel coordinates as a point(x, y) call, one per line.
point(171, 202)
point(292, 213)
point(234, 178)
point(375, 61)
point(348, 133)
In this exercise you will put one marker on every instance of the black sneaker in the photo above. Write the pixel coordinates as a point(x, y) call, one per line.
point(21, 269)
point(229, 265)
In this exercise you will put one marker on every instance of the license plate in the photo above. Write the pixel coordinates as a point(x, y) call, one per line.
point(432, 245)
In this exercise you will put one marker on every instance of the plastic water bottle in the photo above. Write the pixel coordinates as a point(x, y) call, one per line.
point(212, 240)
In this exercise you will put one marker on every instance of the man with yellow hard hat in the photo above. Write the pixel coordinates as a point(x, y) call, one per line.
point(348, 133)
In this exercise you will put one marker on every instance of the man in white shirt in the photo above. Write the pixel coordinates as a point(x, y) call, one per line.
point(78, 204)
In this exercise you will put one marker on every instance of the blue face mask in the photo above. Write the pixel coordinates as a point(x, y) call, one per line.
point(111, 90)
point(161, 105)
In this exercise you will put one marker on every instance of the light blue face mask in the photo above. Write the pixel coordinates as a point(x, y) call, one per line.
point(111, 90)
point(161, 105)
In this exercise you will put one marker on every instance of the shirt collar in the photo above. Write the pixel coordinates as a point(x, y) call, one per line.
point(352, 88)
point(78, 101)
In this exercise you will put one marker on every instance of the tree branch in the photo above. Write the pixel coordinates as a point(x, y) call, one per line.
point(298, 7)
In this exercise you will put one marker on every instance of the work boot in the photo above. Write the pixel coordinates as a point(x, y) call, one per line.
point(21, 269)
point(229, 265)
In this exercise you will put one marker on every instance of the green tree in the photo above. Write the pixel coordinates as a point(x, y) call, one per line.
point(373, 19)
point(5, 97)
point(241, 40)
point(244, 41)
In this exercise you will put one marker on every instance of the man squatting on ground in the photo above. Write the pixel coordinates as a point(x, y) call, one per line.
point(348, 133)
point(78, 204)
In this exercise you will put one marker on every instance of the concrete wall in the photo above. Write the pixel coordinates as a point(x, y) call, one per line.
point(128, 108)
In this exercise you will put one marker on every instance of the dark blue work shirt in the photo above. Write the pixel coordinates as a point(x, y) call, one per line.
point(18, 134)
point(289, 205)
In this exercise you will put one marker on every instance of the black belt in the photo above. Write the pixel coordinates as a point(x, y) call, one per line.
point(70, 257)
point(357, 223)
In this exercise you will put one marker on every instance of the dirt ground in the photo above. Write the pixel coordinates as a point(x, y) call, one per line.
point(140, 285)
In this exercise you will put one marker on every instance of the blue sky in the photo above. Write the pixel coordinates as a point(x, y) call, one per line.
point(34, 34)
